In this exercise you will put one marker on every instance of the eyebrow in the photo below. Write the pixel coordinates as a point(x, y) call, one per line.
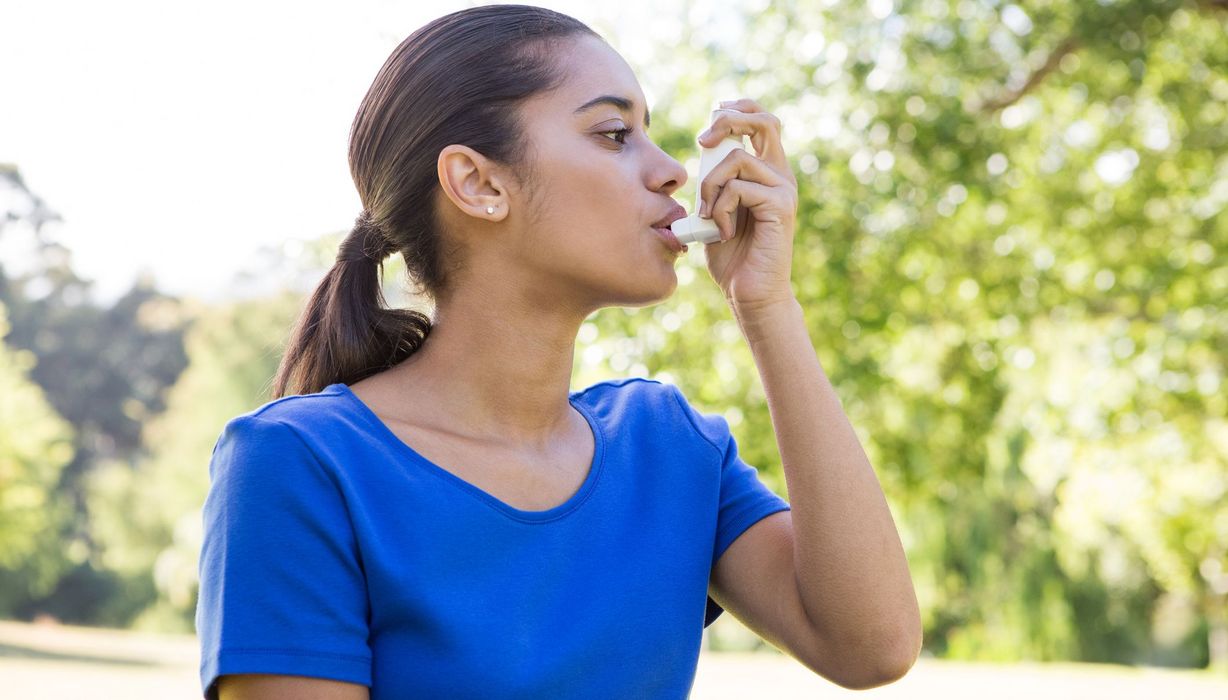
point(620, 102)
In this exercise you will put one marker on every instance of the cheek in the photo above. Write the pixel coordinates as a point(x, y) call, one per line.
point(587, 203)
point(595, 177)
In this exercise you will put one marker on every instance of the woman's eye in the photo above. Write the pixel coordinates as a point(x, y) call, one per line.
point(622, 134)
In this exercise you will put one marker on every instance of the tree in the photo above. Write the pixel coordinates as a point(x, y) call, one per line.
point(983, 185)
point(104, 370)
point(35, 445)
point(147, 512)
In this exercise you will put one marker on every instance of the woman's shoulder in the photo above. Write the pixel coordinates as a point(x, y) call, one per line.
point(626, 393)
point(304, 416)
point(302, 411)
point(287, 435)
point(627, 400)
point(657, 401)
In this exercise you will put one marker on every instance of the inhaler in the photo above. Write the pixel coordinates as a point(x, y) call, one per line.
point(693, 229)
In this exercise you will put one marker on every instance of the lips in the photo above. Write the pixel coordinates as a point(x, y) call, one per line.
point(676, 212)
point(662, 227)
point(667, 236)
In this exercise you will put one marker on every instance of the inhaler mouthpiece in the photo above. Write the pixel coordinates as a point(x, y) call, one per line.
point(693, 229)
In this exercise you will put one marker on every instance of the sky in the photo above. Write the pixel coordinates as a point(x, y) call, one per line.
point(177, 139)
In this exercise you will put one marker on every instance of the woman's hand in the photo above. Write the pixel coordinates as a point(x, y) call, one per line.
point(753, 201)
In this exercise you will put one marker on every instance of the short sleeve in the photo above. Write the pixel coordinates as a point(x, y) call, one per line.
point(282, 589)
point(744, 499)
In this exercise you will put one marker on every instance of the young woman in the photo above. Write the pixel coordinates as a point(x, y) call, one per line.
point(426, 510)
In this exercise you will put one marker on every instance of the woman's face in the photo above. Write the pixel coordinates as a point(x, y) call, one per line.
point(588, 233)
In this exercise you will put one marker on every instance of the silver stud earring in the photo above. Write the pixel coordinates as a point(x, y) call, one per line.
point(490, 210)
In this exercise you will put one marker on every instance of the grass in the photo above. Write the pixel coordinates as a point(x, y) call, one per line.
point(55, 662)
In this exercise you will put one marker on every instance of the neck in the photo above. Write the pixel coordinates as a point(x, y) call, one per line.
point(497, 373)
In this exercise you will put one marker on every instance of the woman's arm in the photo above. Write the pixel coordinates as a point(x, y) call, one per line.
point(850, 566)
point(259, 686)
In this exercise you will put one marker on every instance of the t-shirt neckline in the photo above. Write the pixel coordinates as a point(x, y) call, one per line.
point(535, 516)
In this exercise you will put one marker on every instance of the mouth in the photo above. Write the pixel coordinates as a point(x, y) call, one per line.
point(675, 212)
point(668, 237)
point(662, 227)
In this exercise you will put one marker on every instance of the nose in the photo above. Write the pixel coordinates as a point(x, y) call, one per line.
point(670, 175)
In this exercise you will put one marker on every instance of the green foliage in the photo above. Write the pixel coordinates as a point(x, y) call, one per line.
point(104, 369)
point(1011, 253)
point(146, 515)
point(35, 445)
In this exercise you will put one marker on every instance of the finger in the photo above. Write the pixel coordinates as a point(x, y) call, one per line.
point(732, 122)
point(743, 104)
point(737, 164)
point(760, 201)
point(763, 128)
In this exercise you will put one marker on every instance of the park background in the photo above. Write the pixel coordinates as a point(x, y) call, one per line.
point(1012, 252)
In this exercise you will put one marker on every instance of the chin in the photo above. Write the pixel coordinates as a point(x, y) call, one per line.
point(662, 292)
point(644, 283)
point(643, 295)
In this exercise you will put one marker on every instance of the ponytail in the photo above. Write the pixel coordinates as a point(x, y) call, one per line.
point(346, 332)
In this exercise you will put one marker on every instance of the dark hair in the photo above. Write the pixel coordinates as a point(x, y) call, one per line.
point(456, 80)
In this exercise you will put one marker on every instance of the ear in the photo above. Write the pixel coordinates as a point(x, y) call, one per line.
point(472, 182)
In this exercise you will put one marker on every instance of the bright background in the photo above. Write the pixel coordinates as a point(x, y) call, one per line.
point(1012, 252)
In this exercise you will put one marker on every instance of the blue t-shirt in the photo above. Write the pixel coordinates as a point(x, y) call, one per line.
point(332, 549)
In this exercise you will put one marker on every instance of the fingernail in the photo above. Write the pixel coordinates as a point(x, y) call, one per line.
point(703, 210)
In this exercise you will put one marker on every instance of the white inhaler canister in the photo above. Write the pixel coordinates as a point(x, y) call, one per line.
point(693, 229)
